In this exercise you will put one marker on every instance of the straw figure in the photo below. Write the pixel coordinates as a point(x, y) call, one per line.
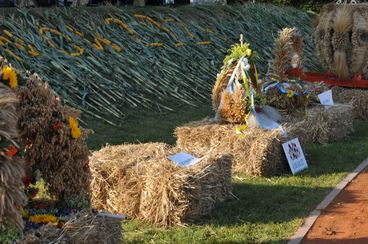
point(341, 40)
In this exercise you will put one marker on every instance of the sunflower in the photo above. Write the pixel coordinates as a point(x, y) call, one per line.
point(43, 218)
point(73, 124)
point(9, 74)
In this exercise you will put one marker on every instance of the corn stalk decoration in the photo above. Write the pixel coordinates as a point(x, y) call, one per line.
point(113, 60)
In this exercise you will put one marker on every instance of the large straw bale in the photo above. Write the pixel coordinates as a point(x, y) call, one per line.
point(358, 98)
point(139, 180)
point(82, 228)
point(12, 197)
point(255, 151)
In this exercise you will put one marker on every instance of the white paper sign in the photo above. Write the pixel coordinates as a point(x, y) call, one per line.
point(295, 156)
point(265, 122)
point(184, 159)
point(325, 98)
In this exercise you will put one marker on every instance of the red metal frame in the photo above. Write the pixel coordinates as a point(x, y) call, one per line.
point(328, 78)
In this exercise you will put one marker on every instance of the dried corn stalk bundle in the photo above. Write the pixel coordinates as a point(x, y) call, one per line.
point(288, 52)
point(12, 197)
point(358, 98)
point(84, 227)
point(139, 180)
point(255, 151)
point(341, 39)
point(54, 144)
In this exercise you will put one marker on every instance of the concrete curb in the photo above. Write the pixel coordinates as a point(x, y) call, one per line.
point(309, 221)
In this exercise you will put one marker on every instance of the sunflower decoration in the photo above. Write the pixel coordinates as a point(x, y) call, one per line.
point(9, 74)
point(74, 127)
point(43, 218)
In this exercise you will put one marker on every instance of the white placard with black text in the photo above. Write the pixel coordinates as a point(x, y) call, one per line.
point(295, 156)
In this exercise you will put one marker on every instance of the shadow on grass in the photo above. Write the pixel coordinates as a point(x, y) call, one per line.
point(264, 204)
point(145, 126)
point(342, 156)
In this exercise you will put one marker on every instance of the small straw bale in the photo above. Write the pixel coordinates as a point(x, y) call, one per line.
point(139, 180)
point(12, 197)
point(116, 171)
point(255, 151)
point(82, 228)
point(358, 98)
point(327, 124)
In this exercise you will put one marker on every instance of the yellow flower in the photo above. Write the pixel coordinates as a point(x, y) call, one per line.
point(43, 218)
point(73, 124)
point(290, 93)
point(9, 74)
point(248, 52)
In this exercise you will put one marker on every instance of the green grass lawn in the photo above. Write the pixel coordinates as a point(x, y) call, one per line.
point(267, 209)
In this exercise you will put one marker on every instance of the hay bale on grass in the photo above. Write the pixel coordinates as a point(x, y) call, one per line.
point(326, 125)
point(83, 228)
point(139, 180)
point(255, 151)
point(358, 98)
point(12, 197)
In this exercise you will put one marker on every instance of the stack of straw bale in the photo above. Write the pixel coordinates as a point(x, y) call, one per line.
point(83, 228)
point(255, 151)
point(358, 98)
point(12, 197)
point(139, 180)
point(44, 128)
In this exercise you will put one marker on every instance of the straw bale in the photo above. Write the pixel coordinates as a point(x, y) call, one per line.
point(255, 151)
point(116, 171)
point(62, 160)
point(12, 197)
point(358, 98)
point(82, 228)
point(327, 124)
point(139, 180)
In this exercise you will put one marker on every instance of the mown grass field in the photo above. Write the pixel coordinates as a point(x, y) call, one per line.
point(268, 210)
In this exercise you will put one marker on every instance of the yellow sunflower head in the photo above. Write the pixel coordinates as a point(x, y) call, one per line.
point(9, 74)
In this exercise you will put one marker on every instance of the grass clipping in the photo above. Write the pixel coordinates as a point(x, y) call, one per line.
point(139, 180)
point(255, 151)
point(12, 197)
point(43, 123)
point(84, 228)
